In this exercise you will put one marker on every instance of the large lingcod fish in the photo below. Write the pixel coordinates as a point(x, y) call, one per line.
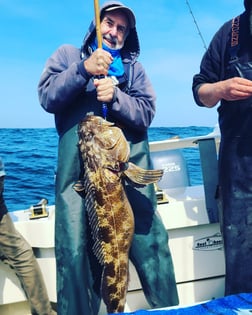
point(105, 154)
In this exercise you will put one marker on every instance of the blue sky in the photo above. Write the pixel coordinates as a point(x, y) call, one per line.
point(171, 50)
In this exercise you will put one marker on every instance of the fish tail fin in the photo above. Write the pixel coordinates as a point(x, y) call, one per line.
point(114, 292)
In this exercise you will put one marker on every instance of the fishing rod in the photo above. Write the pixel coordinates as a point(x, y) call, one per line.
point(99, 44)
point(195, 22)
point(98, 23)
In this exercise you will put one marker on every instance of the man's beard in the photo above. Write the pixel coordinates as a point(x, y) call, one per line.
point(113, 42)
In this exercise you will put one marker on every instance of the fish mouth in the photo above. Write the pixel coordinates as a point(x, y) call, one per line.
point(97, 120)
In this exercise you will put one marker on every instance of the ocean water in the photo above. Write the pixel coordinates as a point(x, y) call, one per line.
point(30, 158)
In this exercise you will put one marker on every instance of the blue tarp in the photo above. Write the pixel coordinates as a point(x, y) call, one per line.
point(231, 305)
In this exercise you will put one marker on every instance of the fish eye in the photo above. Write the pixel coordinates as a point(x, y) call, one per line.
point(88, 137)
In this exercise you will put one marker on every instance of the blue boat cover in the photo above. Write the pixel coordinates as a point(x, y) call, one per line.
point(230, 305)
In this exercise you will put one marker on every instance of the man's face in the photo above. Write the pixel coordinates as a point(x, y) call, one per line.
point(114, 29)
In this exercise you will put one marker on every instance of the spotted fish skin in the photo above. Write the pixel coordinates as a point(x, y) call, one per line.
point(105, 153)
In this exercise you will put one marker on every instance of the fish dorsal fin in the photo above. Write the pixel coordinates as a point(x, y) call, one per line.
point(96, 206)
point(91, 205)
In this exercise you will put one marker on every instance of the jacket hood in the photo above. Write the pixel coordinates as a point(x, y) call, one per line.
point(131, 44)
point(247, 4)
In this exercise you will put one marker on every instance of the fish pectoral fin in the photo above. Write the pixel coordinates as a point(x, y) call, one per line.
point(141, 176)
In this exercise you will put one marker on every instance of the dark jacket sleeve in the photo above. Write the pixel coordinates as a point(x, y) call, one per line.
point(62, 70)
point(213, 62)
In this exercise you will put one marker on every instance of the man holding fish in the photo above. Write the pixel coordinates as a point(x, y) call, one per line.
point(105, 82)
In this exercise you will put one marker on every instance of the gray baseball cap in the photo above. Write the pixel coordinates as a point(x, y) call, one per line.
point(129, 13)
